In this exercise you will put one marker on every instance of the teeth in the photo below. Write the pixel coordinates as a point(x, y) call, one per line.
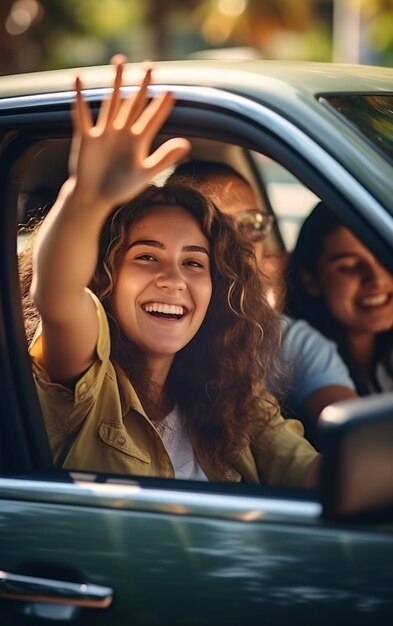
point(375, 300)
point(159, 307)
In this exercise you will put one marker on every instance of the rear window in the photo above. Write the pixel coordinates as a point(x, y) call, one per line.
point(371, 115)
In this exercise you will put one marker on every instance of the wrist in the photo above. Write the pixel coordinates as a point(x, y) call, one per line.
point(73, 194)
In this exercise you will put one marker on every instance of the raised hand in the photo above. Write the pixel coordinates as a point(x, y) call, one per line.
point(110, 161)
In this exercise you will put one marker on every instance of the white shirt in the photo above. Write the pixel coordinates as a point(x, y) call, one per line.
point(174, 435)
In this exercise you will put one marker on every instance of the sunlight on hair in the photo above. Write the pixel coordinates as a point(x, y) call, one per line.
point(271, 298)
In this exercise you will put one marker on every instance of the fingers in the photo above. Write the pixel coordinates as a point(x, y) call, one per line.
point(110, 107)
point(153, 117)
point(146, 120)
point(118, 58)
point(133, 107)
point(166, 155)
point(81, 114)
point(115, 111)
point(75, 143)
point(82, 122)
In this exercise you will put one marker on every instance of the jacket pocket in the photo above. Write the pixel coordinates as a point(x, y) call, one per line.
point(118, 438)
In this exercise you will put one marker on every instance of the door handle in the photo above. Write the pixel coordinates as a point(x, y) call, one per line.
point(35, 589)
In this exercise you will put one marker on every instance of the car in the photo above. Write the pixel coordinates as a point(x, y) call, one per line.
point(89, 548)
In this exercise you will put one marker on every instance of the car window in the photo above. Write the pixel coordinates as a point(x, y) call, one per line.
point(41, 167)
point(289, 198)
point(371, 115)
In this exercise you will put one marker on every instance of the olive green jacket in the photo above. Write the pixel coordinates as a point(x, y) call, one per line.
point(101, 426)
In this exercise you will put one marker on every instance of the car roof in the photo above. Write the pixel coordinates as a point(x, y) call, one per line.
point(289, 88)
point(277, 78)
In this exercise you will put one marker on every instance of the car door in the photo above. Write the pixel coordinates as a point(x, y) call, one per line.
point(97, 549)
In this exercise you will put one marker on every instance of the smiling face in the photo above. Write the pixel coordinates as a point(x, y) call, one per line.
point(356, 288)
point(163, 286)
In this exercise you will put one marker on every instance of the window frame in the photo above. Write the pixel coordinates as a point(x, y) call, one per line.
point(221, 117)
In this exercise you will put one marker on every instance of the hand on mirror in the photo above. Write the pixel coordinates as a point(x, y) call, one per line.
point(110, 160)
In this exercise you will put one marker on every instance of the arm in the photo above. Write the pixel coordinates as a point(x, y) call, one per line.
point(109, 165)
point(317, 375)
point(311, 478)
point(281, 453)
point(316, 401)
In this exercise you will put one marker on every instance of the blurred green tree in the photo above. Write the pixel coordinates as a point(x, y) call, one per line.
point(43, 34)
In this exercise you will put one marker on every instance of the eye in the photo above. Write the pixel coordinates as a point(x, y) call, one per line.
point(194, 263)
point(349, 268)
point(145, 257)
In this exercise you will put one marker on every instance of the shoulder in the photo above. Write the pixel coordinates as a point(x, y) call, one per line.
point(103, 340)
point(312, 361)
point(69, 401)
point(306, 344)
point(269, 408)
point(297, 330)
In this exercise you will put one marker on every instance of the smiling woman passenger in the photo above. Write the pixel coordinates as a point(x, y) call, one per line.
point(157, 336)
point(341, 288)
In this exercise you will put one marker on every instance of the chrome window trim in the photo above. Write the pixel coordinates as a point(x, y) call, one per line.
point(255, 112)
point(128, 495)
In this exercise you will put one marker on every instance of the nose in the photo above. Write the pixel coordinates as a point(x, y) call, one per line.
point(171, 277)
point(375, 274)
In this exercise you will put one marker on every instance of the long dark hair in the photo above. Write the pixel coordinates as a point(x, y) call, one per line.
point(218, 379)
point(319, 224)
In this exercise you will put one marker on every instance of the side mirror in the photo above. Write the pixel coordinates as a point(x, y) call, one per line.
point(357, 470)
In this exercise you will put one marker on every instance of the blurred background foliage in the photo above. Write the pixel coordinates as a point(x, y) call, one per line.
point(49, 34)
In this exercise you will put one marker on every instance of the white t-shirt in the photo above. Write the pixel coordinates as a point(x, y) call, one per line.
point(174, 435)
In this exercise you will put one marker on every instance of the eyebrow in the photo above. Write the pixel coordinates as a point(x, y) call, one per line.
point(158, 244)
point(342, 255)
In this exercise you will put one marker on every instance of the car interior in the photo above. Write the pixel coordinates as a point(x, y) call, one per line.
point(38, 173)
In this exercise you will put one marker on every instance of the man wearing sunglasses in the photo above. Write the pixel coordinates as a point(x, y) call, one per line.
point(315, 375)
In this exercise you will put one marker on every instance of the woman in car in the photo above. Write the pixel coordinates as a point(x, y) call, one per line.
point(341, 288)
point(156, 336)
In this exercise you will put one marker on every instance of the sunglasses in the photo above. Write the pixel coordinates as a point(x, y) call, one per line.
point(253, 224)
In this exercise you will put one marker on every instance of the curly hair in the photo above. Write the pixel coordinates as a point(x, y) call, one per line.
point(319, 224)
point(27, 232)
point(31, 316)
point(218, 379)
